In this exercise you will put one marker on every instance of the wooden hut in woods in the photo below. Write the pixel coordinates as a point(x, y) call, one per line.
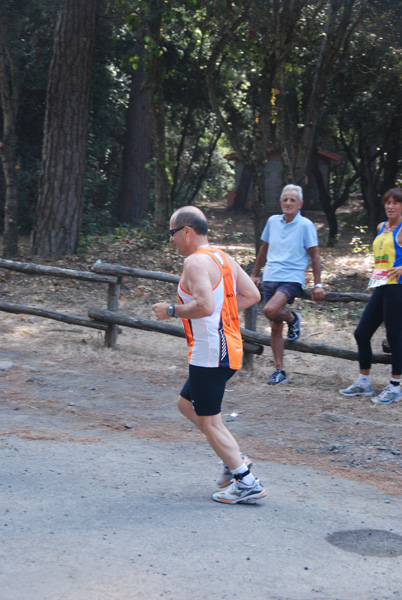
point(242, 196)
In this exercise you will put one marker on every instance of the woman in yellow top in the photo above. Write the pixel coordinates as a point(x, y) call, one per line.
point(385, 304)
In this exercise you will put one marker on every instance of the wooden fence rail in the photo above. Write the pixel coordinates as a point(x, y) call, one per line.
point(33, 269)
point(108, 320)
point(51, 314)
point(109, 316)
point(113, 283)
point(116, 269)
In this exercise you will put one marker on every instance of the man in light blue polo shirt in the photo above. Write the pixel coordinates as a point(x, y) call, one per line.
point(288, 242)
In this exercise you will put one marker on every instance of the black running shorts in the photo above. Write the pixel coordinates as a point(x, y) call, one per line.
point(205, 388)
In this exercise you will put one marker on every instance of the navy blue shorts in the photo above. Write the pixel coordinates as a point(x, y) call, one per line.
point(291, 290)
point(205, 388)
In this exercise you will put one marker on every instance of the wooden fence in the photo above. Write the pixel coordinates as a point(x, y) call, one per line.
point(109, 319)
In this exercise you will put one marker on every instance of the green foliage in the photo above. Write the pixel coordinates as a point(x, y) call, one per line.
point(142, 238)
point(264, 62)
point(358, 245)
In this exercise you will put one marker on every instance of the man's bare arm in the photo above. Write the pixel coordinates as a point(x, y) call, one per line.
point(247, 292)
point(198, 282)
point(259, 263)
point(318, 293)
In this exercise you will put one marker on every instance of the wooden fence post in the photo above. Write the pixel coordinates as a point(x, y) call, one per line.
point(113, 305)
point(250, 322)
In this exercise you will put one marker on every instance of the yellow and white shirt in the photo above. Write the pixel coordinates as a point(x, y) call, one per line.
point(387, 254)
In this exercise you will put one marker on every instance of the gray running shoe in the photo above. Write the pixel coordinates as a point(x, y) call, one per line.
point(277, 376)
point(294, 328)
point(356, 389)
point(389, 395)
point(227, 475)
point(240, 493)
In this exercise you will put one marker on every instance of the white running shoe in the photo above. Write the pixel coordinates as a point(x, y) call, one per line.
point(389, 395)
point(238, 493)
point(356, 389)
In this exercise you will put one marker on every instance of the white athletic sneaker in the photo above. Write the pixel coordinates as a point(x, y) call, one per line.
point(240, 493)
point(391, 393)
point(356, 389)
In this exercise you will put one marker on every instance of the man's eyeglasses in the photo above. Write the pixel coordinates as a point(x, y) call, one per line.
point(173, 231)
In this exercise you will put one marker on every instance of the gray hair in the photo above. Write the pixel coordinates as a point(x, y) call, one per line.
point(293, 188)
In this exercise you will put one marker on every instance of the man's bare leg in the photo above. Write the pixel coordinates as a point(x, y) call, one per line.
point(221, 440)
point(218, 436)
point(277, 344)
point(186, 408)
point(277, 314)
point(275, 309)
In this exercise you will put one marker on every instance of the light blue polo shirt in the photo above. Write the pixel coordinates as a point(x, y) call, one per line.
point(287, 256)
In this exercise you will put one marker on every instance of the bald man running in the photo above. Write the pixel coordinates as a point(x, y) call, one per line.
point(212, 289)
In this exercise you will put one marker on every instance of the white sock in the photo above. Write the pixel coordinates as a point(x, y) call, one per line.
point(248, 480)
point(363, 379)
point(395, 381)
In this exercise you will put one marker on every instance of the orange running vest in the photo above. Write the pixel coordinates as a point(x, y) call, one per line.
point(215, 341)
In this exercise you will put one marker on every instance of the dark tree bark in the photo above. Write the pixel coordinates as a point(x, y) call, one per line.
point(61, 185)
point(163, 206)
point(325, 200)
point(338, 28)
point(195, 188)
point(242, 189)
point(391, 154)
point(368, 181)
point(255, 164)
point(133, 200)
point(9, 92)
point(331, 205)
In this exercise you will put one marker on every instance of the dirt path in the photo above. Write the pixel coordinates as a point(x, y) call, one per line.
point(105, 491)
point(306, 421)
point(101, 494)
point(65, 372)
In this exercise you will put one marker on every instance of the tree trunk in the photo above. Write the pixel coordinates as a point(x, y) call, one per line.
point(133, 200)
point(391, 155)
point(262, 135)
point(259, 214)
point(336, 33)
point(243, 189)
point(368, 184)
point(203, 172)
point(325, 200)
point(9, 92)
point(163, 206)
point(61, 186)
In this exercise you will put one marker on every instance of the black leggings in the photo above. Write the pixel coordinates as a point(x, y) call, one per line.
point(384, 306)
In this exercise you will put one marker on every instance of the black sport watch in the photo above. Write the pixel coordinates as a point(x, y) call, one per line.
point(170, 310)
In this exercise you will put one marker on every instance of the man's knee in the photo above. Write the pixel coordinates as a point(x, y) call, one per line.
point(209, 424)
point(276, 327)
point(271, 312)
point(184, 406)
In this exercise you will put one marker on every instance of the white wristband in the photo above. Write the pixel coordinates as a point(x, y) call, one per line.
point(318, 285)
